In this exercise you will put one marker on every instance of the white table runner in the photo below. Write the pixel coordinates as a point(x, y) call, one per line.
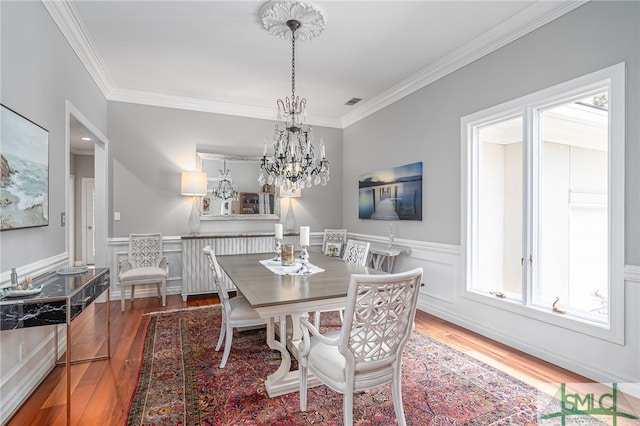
point(276, 267)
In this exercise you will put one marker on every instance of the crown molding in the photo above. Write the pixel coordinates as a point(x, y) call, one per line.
point(202, 105)
point(66, 16)
point(530, 19)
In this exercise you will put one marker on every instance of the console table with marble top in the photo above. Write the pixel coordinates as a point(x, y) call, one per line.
point(61, 300)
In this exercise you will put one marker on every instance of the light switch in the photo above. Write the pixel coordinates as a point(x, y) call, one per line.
point(116, 215)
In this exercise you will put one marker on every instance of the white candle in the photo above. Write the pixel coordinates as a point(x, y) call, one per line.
point(264, 151)
point(304, 235)
point(278, 231)
point(321, 150)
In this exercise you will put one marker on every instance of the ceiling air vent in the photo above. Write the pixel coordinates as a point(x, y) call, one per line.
point(353, 101)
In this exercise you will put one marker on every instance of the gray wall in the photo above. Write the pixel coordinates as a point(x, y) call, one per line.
point(40, 72)
point(151, 146)
point(425, 126)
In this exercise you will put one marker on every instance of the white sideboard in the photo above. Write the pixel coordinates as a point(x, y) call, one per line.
point(196, 275)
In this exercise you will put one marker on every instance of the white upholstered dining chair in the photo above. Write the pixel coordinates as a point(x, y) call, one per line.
point(236, 311)
point(367, 351)
point(144, 264)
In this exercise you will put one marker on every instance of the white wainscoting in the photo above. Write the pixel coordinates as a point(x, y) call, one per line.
point(441, 264)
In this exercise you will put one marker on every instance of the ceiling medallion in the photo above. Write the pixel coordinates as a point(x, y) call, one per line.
point(275, 15)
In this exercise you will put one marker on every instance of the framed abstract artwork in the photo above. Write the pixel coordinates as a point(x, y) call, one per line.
point(24, 172)
point(391, 194)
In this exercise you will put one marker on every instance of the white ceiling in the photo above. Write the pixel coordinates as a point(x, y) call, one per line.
point(216, 56)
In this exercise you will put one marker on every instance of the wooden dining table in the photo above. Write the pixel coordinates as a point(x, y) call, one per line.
point(283, 299)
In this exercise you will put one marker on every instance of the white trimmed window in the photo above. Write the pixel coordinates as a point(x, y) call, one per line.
point(543, 204)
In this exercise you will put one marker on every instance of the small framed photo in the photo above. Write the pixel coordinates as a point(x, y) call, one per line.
point(333, 249)
point(206, 206)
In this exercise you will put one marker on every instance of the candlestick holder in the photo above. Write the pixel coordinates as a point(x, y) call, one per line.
point(278, 250)
point(304, 260)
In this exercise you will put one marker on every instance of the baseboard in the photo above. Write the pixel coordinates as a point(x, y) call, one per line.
point(582, 369)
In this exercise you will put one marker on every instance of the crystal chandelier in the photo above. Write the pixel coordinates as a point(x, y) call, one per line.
point(225, 190)
point(295, 162)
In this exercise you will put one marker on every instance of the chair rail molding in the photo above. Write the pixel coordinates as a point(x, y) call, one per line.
point(37, 268)
point(632, 273)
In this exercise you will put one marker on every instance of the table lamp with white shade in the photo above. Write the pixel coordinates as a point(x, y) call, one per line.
point(290, 219)
point(194, 184)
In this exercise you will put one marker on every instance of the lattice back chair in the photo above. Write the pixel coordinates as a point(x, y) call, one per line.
point(367, 351)
point(144, 264)
point(334, 236)
point(356, 252)
point(236, 311)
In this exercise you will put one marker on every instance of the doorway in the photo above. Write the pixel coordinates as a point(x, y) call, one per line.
point(87, 231)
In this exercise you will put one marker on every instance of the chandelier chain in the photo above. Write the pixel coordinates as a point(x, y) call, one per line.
point(293, 65)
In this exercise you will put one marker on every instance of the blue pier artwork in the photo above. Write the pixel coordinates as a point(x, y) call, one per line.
point(391, 194)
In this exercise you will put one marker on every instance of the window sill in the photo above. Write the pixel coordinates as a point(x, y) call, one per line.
point(602, 331)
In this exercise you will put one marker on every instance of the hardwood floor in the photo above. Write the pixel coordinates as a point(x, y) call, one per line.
point(101, 390)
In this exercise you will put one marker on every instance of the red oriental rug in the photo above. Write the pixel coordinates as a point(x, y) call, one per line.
point(180, 383)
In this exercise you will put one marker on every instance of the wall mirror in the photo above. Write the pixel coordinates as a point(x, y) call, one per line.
point(233, 192)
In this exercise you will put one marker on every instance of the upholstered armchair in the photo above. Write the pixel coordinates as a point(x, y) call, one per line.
point(144, 264)
point(367, 351)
